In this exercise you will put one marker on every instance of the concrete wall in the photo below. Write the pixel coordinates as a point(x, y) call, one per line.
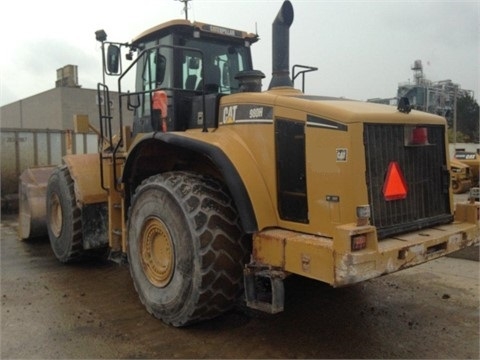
point(41, 111)
point(33, 130)
point(78, 101)
point(10, 115)
point(55, 109)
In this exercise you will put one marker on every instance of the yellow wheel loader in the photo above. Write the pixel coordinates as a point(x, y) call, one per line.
point(461, 175)
point(215, 190)
point(472, 160)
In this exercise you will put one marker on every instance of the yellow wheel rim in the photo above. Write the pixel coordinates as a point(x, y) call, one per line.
point(157, 253)
point(56, 216)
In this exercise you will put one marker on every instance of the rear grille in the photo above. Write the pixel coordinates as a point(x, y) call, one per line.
point(425, 171)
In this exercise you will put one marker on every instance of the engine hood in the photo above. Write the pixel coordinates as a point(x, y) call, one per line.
point(330, 108)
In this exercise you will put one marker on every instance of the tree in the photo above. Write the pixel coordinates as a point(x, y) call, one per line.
point(460, 138)
point(468, 118)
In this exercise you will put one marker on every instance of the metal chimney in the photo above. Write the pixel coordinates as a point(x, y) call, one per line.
point(281, 46)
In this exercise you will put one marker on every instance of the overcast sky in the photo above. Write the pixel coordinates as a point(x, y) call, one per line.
point(362, 49)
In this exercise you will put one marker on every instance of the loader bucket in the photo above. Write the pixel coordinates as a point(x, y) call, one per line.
point(32, 213)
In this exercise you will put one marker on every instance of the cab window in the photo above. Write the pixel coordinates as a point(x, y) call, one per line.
point(155, 73)
point(216, 71)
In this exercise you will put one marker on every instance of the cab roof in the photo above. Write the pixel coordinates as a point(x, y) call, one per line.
point(181, 25)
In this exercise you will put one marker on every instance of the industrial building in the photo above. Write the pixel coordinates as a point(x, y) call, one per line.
point(55, 108)
point(436, 97)
point(37, 131)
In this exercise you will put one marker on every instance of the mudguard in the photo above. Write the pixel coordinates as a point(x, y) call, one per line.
point(231, 159)
point(85, 172)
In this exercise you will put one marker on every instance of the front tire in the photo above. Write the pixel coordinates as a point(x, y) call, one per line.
point(64, 217)
point(186, 248)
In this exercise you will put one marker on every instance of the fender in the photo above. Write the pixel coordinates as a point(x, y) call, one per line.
point(237, 179)
point(90, 197)
point(84, 170)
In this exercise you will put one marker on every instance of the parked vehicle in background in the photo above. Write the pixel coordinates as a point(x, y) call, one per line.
point(461, 176)
point(471, 159)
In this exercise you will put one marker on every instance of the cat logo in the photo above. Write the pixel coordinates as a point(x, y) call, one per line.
point(246, 114)
point(229, 113)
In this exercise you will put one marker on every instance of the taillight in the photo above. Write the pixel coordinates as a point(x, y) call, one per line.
point(359, 242)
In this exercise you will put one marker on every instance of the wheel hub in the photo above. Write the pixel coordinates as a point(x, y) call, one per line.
point(56, 216)
point(157, 252)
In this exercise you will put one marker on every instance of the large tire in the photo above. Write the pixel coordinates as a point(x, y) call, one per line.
point(64, 217)
point(457, 188)
point(186, 248)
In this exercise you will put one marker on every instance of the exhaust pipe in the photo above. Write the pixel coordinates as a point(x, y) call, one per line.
point(281, 46)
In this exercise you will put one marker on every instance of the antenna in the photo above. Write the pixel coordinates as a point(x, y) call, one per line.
point(185, 7)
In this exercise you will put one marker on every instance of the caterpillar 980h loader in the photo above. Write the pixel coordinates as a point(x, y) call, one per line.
point(218, 189)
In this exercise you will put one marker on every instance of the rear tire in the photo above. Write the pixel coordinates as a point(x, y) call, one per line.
point(64, 217)
point(186, 250)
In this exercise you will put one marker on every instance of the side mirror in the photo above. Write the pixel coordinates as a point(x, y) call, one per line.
point(161, 66)
point(113, 59)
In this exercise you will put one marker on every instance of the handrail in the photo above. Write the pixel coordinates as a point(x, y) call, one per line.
point(108, 117)
point(302, 72)
point(103, 99)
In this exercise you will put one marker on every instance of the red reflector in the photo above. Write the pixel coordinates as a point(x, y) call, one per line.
point(395, 187)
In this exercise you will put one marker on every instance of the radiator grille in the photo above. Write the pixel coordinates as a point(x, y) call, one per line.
point(425, 171)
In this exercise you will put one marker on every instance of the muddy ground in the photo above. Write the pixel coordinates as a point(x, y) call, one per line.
point(91, 310)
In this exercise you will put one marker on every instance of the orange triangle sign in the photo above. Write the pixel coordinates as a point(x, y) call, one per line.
point(395, 187)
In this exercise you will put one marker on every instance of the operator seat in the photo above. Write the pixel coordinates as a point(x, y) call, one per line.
point(191, 82)
point(193, 66)
point(212, 79)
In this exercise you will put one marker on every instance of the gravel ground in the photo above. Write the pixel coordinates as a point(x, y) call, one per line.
point(91, 310)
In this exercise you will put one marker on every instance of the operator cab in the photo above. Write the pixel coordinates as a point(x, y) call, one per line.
point(188, 66)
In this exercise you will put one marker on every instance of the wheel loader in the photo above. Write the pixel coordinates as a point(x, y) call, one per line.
point(215, 191)
point(461, 175)
point(472, 160)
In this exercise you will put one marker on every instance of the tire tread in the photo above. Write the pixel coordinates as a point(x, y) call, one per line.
point(221, 243)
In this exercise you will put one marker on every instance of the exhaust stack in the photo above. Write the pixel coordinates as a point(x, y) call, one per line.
point(281, 46)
